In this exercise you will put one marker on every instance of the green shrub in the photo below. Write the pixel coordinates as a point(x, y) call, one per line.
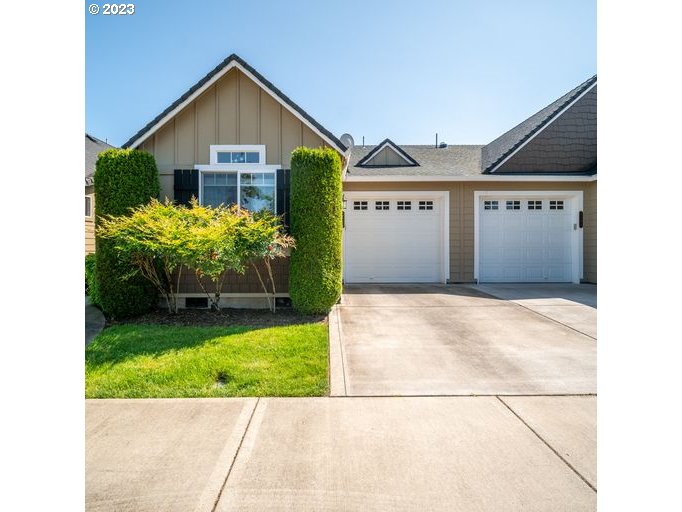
point(124, 178)
point(90, 283)
point(315, 270)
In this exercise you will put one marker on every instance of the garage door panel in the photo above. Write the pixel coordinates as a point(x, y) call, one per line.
point(528, 244)
point(394, 246)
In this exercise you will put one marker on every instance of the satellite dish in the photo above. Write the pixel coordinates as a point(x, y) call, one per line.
point(347, 140)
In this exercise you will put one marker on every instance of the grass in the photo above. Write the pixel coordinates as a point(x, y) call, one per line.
point(162, 361)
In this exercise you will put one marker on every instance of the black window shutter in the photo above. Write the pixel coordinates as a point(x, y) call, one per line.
point(185, 185)
point(283, 190)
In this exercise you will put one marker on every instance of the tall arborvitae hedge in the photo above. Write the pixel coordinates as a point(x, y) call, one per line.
point(124, 178)
point(315, 272)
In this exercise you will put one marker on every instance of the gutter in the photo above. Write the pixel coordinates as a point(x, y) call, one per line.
point(477, 178)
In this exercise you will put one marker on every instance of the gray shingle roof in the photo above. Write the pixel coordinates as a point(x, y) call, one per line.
point(93, 147)
point(456, 160)
point(263, 80)
point(506, 143)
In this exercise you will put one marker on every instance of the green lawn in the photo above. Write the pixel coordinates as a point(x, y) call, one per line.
point(136, 361)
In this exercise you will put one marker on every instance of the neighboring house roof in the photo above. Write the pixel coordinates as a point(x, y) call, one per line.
point(93, 147)
point(208, 80)
point(457, 160)
point(507, 144)
point(368, 159)
point(574, 145)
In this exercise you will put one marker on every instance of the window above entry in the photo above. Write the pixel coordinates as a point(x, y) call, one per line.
point(244, 154)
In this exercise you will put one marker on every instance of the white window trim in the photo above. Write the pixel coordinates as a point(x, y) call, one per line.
point(442, 195)
point(238, 169)
point(216, 148)
point(573, 197)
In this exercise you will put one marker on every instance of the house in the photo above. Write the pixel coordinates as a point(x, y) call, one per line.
point(93, 147)
point(522, 208)
point(519, 209)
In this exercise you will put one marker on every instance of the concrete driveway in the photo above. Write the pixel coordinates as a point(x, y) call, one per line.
point(413, 340)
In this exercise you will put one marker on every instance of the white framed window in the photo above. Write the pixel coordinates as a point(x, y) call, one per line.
point(513, 205)
point(426, 205)
point(239, 154)
point(238, 174)
point(359, 205)
point(88, 206)
point(253, 190)
point(491, 205)
point(404, 205)
point(381, 205)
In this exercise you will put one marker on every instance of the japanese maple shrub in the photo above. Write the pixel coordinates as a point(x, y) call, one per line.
point(315, 270)
point(213, 247)
point(262, 239)
point(156, 239)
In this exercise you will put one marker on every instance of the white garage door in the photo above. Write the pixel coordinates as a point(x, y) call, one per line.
point(526, 239)
point(393, 239)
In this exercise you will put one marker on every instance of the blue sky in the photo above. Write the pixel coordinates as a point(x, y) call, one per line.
point(469, 70)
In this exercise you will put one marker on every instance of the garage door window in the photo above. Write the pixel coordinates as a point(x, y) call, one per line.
point(404, 205)
point(513, 205)
point(426, 205)
point(381, 205)
point(491, 205)
point(535, 205)
point(556, 205)
point(359, 205)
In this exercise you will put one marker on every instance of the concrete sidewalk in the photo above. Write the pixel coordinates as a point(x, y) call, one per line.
point(369, 454)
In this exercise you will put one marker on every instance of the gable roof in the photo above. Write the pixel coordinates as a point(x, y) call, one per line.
point(221, 69)
point(496, 152)
point(386, 143)
point(453, 160)
point(93, 147)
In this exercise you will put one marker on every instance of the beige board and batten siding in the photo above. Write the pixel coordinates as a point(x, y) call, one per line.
point(462, 217)
point(234, 110)
point(386, 156)
point(90, 221)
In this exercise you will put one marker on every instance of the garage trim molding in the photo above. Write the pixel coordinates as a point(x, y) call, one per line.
point(442, 195)
point(391, 178)
point(576, 197)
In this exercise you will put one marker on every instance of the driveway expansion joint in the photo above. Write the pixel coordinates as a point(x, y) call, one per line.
point(554, 320)
point(548, 445)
